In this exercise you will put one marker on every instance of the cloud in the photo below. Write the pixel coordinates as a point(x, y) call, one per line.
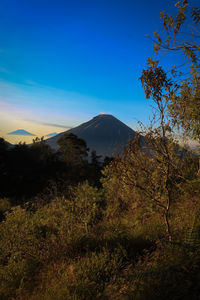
point(30, 82)
point(46, 104)
point(56, 125)
point(48, 124)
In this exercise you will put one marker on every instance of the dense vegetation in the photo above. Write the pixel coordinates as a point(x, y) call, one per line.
point(69, 231)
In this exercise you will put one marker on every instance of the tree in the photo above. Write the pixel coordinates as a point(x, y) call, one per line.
point(72, 149)
point(150, 175)
point(182, 35)
point(160, 143)
point(147, 174)
point(95, 168)
point(87, 205)
point(176, 102)
point(3, 157)
point(42, 152)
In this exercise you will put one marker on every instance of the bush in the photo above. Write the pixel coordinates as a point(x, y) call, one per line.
point(5, 205)
point(88, 205)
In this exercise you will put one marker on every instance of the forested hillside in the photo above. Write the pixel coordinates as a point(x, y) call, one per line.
point(128, 228)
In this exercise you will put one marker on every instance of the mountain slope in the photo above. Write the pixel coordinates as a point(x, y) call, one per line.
point(104, 133)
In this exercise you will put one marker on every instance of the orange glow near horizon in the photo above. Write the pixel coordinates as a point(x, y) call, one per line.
point(9, 124)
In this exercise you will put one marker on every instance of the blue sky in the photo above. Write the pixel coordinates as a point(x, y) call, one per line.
point(63, 62)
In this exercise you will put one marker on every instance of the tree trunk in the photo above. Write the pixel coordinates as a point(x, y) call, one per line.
point(168, 230)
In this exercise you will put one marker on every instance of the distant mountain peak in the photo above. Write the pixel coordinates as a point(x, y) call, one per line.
point(104, 133)
point(21, 132)
point(51, 134)
point(103, 115)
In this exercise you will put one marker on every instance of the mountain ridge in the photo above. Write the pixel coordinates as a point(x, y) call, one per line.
point(104, 133)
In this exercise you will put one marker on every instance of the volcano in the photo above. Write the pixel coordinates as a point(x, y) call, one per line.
point(104, 133)
point(20, 132)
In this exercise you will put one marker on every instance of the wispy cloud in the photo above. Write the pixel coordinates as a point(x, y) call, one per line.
point(48, 124)
point(30, 82)
point(46, 104)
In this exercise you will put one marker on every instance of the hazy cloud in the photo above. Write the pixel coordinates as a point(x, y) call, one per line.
point(51, 105)
point(48, 124)
point(30, 82)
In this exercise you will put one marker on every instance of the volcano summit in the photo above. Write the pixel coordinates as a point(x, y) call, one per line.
point(104, 133)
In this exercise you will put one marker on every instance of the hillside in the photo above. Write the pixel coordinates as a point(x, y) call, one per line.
point(104, 133)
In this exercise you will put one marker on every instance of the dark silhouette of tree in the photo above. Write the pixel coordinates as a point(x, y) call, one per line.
point(73, 150)
point(95, 168)
point(3, 153)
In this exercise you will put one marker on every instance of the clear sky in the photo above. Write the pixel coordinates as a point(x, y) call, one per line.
point(63, 62)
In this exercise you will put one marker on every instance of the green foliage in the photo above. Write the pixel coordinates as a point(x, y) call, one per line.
point(18, 256)
point(171, 272)
point(48, 253)
point(30, 240)
point(27, 241)
point(87, 205)
point(77, 248)
point(81, 242)
point(147, 179)
point(184, 103)
point(5, 205)
point(85, 279)
point(192, 236)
